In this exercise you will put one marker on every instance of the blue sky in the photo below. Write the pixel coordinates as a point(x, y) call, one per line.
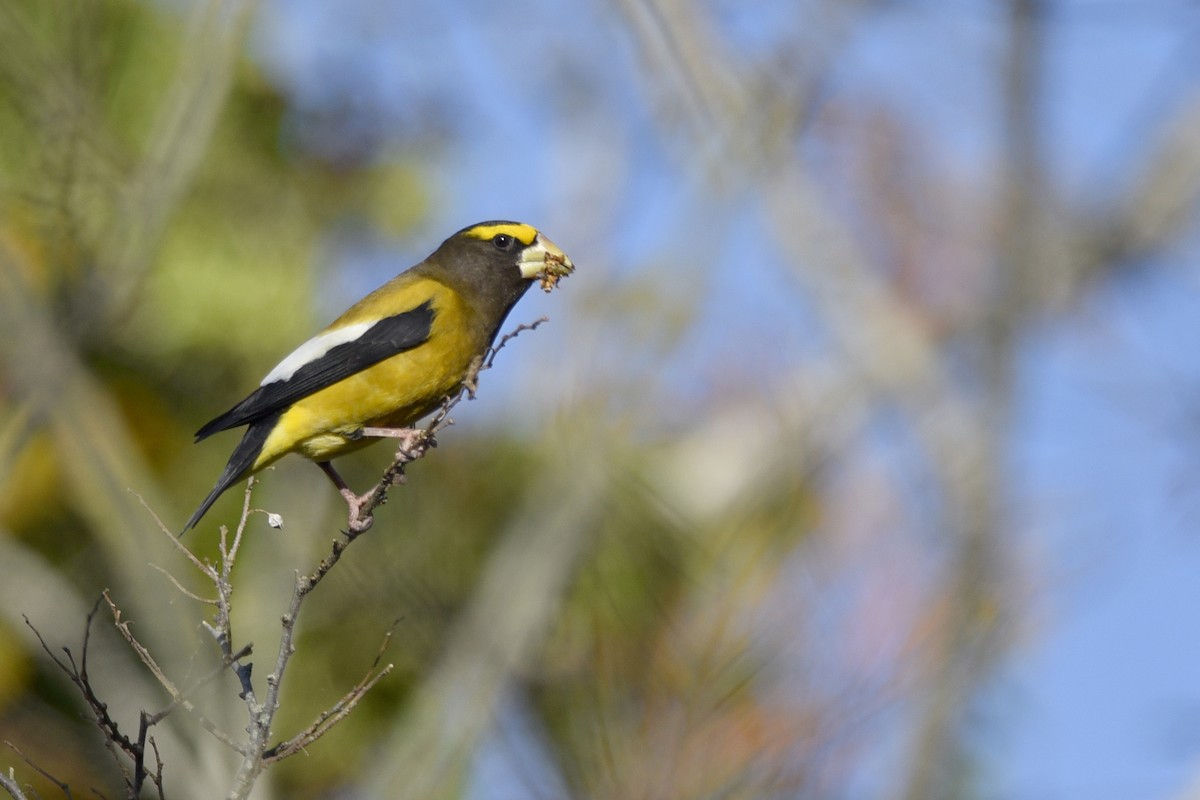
point(1102, 699)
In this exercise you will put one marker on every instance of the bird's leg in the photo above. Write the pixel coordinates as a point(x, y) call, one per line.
point(413, 442)
point(357, 523)
point(471, 382)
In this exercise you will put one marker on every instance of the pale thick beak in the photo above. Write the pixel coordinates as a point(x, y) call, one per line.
point(544, 261)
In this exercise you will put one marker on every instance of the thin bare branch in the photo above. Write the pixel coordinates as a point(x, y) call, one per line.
point(18, 794)
point(179, 698)
point(156, 777)
point(490, 357)
point(142, 653)
point(208, 571)
point(9, 784)
point(183, 590)
point(115, 740)
point(335, 714)
point(229, 554)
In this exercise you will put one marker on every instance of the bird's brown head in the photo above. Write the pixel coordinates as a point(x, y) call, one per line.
point(495, 262)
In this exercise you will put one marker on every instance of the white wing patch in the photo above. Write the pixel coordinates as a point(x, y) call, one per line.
point(313, 349)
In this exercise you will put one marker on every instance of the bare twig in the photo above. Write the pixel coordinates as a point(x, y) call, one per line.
point(179, 697)
point(157, 775)
point(220, 628)
point(490, 356)
point(335, 714)
point(117, 741)
point(205, 568)
point(183, 590)
point(10, 784)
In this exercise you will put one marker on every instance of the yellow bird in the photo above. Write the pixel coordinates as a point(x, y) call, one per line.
point(391, 358)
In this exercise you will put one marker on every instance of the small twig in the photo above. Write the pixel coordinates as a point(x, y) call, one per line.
point(221, 627)
point(157, 775)
point(116, 741)
point(179, 697)
point(335, 714)
point(207, 569)
point(141, 652)
point(15, 790)
point(183, 590)
point(9, 784)
point(490, 356)
point(228, 556)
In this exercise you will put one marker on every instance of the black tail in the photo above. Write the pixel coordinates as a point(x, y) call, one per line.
point(238, 467)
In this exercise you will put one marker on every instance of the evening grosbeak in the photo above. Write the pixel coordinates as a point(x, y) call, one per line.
point(390, 359)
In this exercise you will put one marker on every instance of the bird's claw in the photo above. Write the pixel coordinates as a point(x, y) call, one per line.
point(358, 523)
point(415, 447)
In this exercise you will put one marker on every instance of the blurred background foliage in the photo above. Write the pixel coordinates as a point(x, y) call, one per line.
point(752, 517)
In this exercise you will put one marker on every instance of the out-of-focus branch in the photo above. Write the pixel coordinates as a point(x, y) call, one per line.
point(882, 342)
point(962, 651)
point(98, 451)
point(964, 648)
point(888, 351)
point(1157, 209)
point(9, 782)
point(178, 140)
point(742, 117)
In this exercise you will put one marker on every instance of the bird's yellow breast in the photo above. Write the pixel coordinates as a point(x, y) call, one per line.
point(394, 393)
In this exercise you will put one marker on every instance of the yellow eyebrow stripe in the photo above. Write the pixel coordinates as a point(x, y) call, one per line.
point(525, 234)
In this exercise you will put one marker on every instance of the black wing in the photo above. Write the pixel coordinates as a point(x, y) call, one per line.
point(384, 339)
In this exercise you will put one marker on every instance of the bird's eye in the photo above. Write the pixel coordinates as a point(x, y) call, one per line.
point(502, 241)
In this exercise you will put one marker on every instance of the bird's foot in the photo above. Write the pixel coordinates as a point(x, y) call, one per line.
point(471, 382)
point(358, 521)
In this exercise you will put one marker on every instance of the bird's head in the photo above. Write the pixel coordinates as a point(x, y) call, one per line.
point(512, 251)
